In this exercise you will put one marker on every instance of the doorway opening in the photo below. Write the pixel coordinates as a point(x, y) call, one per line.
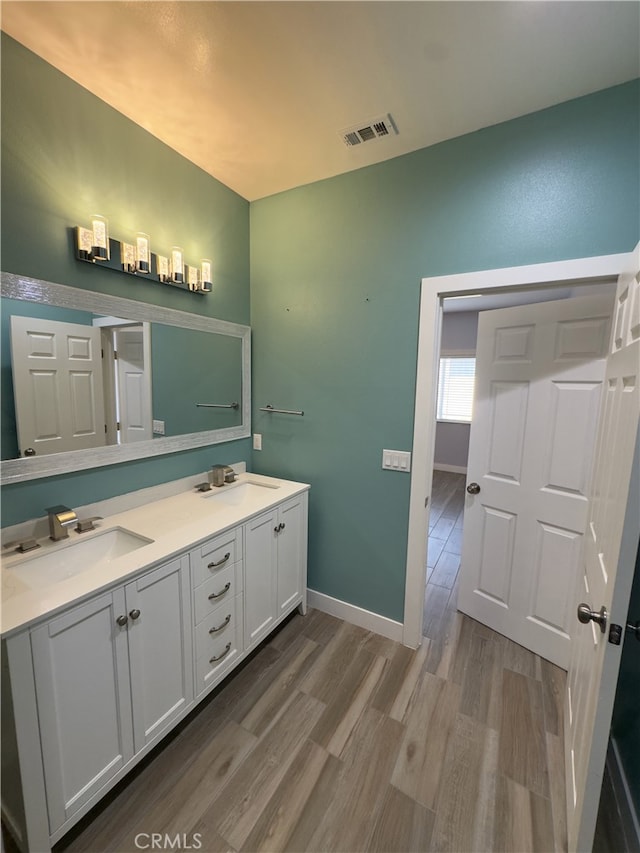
point(517, 282)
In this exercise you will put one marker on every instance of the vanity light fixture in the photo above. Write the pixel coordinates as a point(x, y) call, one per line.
point(100, 238)
point(135, 258)
point(193, 277)
point(205, 275)
point(177, 265)
point(162, 264)
point(128, 257)
point(143, 253)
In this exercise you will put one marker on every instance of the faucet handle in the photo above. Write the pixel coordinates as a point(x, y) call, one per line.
point(85, 524)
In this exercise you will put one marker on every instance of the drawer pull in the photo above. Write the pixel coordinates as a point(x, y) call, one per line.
point(220, 562)
point(213, 595)
point(220, 627)
point(223, 655)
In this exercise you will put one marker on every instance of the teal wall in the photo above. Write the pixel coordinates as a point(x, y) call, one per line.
point(625, 726)
point(335, 284)
point(66, 155)
point(335, 281)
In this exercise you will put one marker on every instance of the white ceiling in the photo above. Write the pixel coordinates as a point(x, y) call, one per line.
point(255, 93)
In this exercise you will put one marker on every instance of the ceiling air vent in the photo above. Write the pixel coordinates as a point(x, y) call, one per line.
point(369, 130)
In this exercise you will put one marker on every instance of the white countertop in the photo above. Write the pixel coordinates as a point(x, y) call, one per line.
point(175, 524)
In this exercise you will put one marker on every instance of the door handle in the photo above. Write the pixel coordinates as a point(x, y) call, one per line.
point(473, 488)
point(586, 615)
point(634, 627)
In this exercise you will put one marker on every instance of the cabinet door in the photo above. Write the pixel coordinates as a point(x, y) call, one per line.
point(84, 703)
point(260, 580)
point(160, 644)
point(292, 552)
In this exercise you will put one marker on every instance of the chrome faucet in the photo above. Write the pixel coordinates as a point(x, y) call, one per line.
point(60, 517)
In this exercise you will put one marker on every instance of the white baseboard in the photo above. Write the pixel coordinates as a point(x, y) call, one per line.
point(628, 813)
point(355, 615)
point(455, 469)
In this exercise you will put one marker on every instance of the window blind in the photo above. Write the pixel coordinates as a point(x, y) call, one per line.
point(455, 388)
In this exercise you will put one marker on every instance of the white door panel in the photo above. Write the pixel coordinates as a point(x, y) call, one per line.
point(607, 567)
point(539, 374)
point(57, 377)
point(134, 383)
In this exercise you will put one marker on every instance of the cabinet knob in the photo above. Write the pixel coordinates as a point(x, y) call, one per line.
point(122, 620)
point(134, 613)
point(281, 526)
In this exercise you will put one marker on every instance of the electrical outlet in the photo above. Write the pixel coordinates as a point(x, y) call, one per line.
point(257, 441)
point(396, 460)
point(158, 427)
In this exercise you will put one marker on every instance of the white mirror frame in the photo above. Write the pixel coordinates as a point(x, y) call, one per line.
point(61, 296)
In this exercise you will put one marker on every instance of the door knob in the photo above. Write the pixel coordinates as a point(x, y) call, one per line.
point(586, 615)
point(473, 488)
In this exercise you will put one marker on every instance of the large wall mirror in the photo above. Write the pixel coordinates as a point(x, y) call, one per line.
point(89, 380)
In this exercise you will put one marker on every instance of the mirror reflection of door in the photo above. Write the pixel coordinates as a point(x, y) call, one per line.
point(57, 377)
point(133, 382)
point(127, 380)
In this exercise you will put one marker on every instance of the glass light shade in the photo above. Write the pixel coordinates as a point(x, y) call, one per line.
point(128, 256)
point(205, 275)
point(84, 241)
point(163, 267)
point(177, 265)
point(100, 242)
point(193, 279)
point(143, 253)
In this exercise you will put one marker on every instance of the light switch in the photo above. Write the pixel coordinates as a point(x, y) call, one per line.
point(257, 441)
point(396, 460)
point(158, 427)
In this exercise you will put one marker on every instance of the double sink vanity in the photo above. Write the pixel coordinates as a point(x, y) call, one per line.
point(111, 636)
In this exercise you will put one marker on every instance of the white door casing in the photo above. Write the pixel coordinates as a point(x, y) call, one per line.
point(611, 545)
point(539, 374)
point(58, 391)
point(594, 271)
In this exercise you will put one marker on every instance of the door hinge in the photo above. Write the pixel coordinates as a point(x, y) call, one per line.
point(117, 425)
point(105, 429)
point(115, 354)
point(426, 501)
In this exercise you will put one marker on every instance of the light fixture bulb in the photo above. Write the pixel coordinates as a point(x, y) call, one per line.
point(100, 242)
point(193, 278)
point(205, 275)
point(162, 264)
point(143, 253)
point(128, 257)
point(177, 265)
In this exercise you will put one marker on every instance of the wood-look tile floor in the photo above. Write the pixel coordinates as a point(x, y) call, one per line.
point(334, 738)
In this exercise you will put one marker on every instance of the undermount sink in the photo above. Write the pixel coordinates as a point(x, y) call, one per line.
point(240, 494)
point(66, 560)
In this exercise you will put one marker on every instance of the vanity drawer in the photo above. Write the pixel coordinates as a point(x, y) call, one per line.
point(219, 624)
point(218, 590)
point(216, 653)
point(216, 554)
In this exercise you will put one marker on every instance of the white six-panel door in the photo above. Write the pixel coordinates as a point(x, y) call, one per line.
point(134, 384)
point(539, 374)
point(58, 391)
point(607, 569)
